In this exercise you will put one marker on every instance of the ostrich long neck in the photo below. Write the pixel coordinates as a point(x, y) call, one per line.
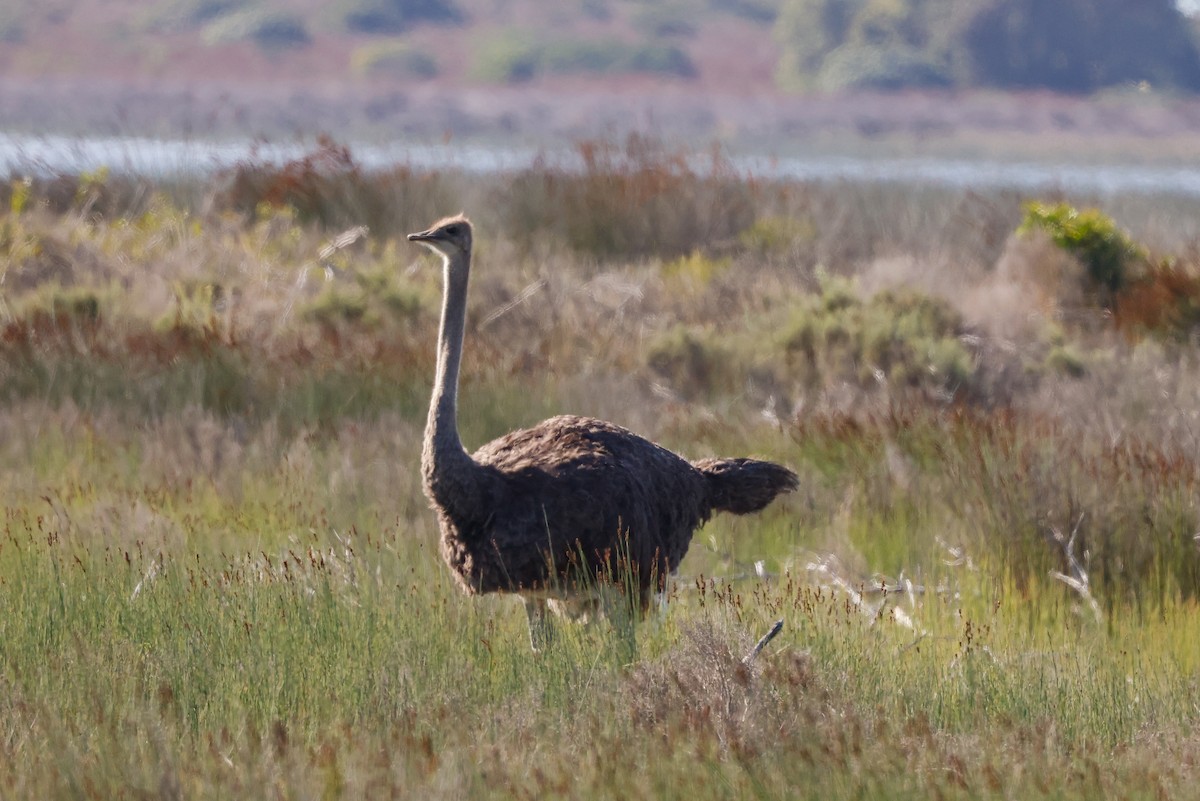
point(449, 472)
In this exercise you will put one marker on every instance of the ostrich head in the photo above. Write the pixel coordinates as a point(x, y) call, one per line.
point(449, 237)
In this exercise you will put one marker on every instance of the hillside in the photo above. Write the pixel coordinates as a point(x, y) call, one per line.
point(289, 40)
point(512, 69)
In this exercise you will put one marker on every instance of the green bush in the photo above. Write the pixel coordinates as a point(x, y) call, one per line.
point(775, 235)
point(506, 57)
point(868, 66)
point(1091, 236)
point(807, 32)
point(177, 16)
point(656, 59)
point(1066, 359)
point(363, 297)
point(54, 310)
point(393, 59)
point(333, 307)
point(394, 16)
point(764, 11)
point(905, 339)
point(519, 56)
point(692, 361)
point(268, 29)
point(696, 268)
point(665, 20)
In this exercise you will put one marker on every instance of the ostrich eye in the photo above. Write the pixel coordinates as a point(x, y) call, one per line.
point(452, 230)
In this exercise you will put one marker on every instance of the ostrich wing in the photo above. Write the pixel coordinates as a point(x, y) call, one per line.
point(583, 487)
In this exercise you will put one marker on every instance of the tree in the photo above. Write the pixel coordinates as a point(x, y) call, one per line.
point(808, 31)
point(394, 16)
point(1080, 45)
point(890, 44)
point(1066, 45)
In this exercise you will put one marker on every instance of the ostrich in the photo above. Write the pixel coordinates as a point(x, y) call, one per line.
point(540, 511)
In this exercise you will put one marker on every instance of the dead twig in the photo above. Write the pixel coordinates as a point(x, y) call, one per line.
point(1078, 579)
point(762, 643)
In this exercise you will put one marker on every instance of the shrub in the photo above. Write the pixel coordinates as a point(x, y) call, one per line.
point(762, 11)
point(328, 186)
point(665, 20)
point(336, 307)
point(1091, 236)
point(1066, 359)
point(690, 360)
point(82, 305)
point(20, 190)
point(656, 59)
point(776, 235)
point(94, 195)
point(393, 59)
point(195, 308)
point(696, 268)
point(517, 56)
point(1164, 302)
point(506, 57)
point(179, 16)
point(905, 339)
point(869, 66)
point(394, 16)
point(268, 29)
point(636, 200)
point(62, 318)
point(362, 296)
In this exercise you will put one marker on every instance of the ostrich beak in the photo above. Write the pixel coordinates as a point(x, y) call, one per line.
point(424, 236)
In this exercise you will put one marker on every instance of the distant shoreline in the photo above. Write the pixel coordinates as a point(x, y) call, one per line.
point(156, 158)
point(1112, 129)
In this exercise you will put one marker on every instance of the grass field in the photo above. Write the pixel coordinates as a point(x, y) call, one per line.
point(219, 578)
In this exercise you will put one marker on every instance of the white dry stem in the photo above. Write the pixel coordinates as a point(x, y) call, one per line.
point(524, 295)
point(958, 555)
point(759, 571)
point(339, 242)
point(342, 241)
point(296, 291)
point(824, 567)
point(151, 574)
point(1078, 579)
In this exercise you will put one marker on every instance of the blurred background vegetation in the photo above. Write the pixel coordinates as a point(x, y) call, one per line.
point(1073, 46)
point(1065, 45)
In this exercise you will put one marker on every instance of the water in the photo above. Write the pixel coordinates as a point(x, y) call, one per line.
point(43, 155)
point(47, 155)
point(1101, 179)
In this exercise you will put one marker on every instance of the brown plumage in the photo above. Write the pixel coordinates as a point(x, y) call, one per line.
point(538, 510)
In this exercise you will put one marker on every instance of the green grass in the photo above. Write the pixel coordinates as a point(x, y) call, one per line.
point(295, 643)
point(219, 576)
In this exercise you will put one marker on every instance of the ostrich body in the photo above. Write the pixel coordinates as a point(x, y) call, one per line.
point(542, 510)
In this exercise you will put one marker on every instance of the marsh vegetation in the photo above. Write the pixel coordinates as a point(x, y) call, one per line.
point(219, 577)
